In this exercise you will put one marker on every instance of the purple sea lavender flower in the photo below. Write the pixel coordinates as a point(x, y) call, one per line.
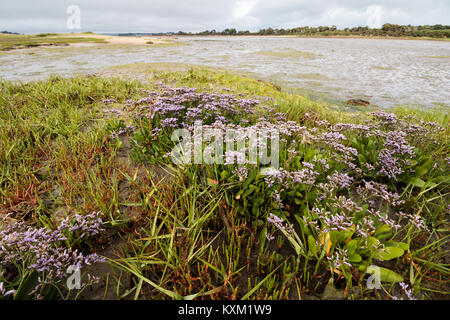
point(340, 180)
point(385, 118)
point(381, 191)
point(338, 259)
point(43, 250)
point(127, 129)
point(113, 111)
point(407, 291)
point(274, 176)
point(280, 224)
point(109, 101)
point(241, 172)
point(4, 293)
point(277, 199)
point(169, 123)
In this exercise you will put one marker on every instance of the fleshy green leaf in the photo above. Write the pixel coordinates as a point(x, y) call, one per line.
point(400, 245)
point(385, 275)
point(312, 245)
point(390, 253)
point(355, 258)
point(416, 182)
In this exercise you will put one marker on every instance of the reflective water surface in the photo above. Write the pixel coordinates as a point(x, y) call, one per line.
point(385, 72)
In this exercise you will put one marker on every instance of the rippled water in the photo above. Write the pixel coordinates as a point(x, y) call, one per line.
point(385, 72)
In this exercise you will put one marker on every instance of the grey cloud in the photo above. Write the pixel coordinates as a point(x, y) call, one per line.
point(198, 15)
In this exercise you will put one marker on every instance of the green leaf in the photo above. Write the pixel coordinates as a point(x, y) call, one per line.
point(312, 245)
point(250, 179)
point(382, 229)
point(262, 237)
point(390, 253)
point(361, 158)
point(224, 175)
point(416, 182)
point(413, 163)
point(355, 258)
point(400, 245)
point(26, 286)
point(412, 277)
point(351, 246)
point(258, 223)
point(425, 167)
point(259, 201)
point(385, 275)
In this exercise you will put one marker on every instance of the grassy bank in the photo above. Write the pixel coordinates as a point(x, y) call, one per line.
point(85, 167)
point(13, 41)
point(10, 42)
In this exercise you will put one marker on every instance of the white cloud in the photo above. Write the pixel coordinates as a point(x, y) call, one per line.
point(199, 15)
point(242, 8)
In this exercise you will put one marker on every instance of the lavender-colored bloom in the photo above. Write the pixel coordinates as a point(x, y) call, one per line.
point(4, 293)
point(241, 172)
point(340, 180)
point(338, 259)
point(109, 101)
point(381, 191)
point(43, 250)
point(169, 123)
point(407, 291)
point(127, 129)
point(280, 224)
point(113, 111)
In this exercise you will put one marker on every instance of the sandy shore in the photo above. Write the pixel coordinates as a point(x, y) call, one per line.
point(127, 40)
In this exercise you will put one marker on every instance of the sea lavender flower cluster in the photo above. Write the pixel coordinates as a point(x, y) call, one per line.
point(275, 176)
point(280, 224)
point(86, 225)
point(395, 155)
point(340, 213)
point(378, 190)
point(127, 129)
point(340, 180)
point(241, 172)
point(335, 141)
point(109, 101)
point(276, 196)
point(385, 118)
point(188, 105)
point(406, 290)
point(395, 140)
point(414, 219)
point(4, 293)
point(287, 179)
point(113, 111)
point(42, 250)
point(338, 259)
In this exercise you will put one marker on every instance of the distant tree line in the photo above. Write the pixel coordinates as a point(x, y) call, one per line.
point(387, 30)
point(8, 32)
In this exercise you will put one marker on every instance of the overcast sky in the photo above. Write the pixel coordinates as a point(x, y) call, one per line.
point(30, 16)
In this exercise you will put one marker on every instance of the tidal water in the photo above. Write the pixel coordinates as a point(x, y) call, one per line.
point(384, 72)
